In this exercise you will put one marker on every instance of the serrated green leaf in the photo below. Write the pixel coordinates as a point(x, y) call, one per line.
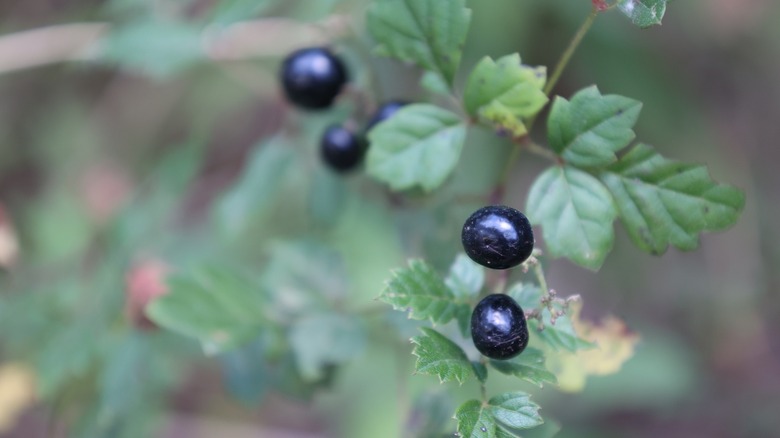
point(515, 410)
point(505, 91)
point(419, 146)
point(664, 202)
point(438, 356)
point(480, 371)
point(503, 416)
point(528, 366)
point(421, 291)
point(257, 186)
point(320, 340)
point(159, 49)
point(215, 305)
point(465, 278)
point(644, 13)
point(475, 420)
point(589, 129)
point(576, 212)
point(429, 33)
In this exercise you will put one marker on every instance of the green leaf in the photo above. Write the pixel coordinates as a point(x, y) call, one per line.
point(124, 378)
point(480, 371)
point(560, 335)
point(226, 12)
point(159, 49)
point(505, 91)
point(218, 306)
point(419, 146)
point(257, 186)
point(465, 278)
point(321, 340)
point(576, 213)
point(304, 274)
point(475, 420)
point(429, 33)
point(664, 202)
point(589, 129)
point(644, 13)
point(527, 295)
point(528, 366)
point(439, 356)
point(434, 83)
point(420, 291)
point(515, 410)
point(67, 355)
point(502, 416)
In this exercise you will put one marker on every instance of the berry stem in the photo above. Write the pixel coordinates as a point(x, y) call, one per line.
point(539, 273)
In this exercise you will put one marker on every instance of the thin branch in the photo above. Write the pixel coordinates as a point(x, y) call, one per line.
point(249, 39)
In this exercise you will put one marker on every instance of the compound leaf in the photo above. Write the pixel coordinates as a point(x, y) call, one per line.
point(502, 416)
point(419, 146)
point(429, 33)
point(438, 356)
point(576, 212)
point(664, 202)
point(589, 129)
point(505, 91)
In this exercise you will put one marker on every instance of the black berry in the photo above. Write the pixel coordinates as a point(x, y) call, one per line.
point(498, 237)
point(384, 112)
point(313, 77)
point(498, 327)
point(341, 148)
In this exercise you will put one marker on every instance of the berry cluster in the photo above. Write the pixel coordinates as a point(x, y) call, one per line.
point(312, 79)
point(497, 237)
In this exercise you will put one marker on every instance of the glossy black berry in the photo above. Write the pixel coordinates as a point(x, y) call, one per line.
point(498, 327)
point(498, 237)
point(384, 112)
point(341, 148)
point(313, 77)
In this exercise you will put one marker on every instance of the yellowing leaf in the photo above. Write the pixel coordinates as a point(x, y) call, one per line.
point(614, 345)
point(17, 392)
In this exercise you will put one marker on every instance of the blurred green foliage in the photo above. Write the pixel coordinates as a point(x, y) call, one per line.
point(153, 151)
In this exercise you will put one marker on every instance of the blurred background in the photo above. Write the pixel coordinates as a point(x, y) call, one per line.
point(119, 132)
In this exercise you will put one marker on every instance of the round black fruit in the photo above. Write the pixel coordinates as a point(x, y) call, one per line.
point(341, 148)
point(498, 237)
point(384, 112)
point(498, 327)
point(313, 77)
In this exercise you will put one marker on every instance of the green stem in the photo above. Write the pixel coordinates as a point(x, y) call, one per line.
point(539, 272)
point(525, 141)
point(567, 54)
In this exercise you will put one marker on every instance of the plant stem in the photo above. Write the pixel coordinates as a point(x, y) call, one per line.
point(539, 272)
point(567, 54)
